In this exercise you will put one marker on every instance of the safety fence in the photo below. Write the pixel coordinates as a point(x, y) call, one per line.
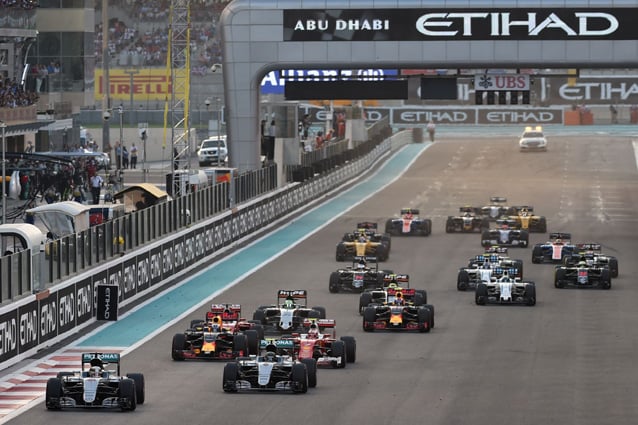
point(42, 319)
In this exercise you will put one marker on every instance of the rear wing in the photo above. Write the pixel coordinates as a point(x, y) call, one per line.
point(367, 225)
point(101, 360)
point(296, 295)
point(413, 211)
point(560, 235)
point(399, 278)
point(469, 209)
point(496, 250)
point(508, 221)
point(519, 208)
point(227, 312)
point(498, 199)
point(279, 344)
point(321, 323)
point(588, 247)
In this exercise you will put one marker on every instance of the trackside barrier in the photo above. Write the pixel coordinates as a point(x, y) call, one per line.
point(40, 320)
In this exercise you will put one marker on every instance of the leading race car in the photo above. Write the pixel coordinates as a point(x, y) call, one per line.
point(95, 386)
point(365, 241)
point(289, 314)
point(555, 249)
point(223, 335)
point(267, 372)
point(363, 274)
point(467, 221)
point(582, 275)
point(505, 290)
point(397, 315)
point(524, 218)
point(592, 255)
point(505, 235)
point(408, 224)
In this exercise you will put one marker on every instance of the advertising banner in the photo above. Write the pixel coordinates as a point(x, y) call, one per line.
point(8, 335)
point(107, 301)
point(460, 24)
point(145, 84)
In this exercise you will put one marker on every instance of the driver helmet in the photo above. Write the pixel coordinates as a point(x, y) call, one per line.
point(95, 371)
point(289, 303)
point(313, 332)
point(558, 241)
point(361, 264)
point(215, 327)
point(398, 300)
point(582, 263)
point(408, 215)
point(270, 356)
point(362, 238)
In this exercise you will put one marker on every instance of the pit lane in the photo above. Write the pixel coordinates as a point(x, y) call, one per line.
point(567, 360)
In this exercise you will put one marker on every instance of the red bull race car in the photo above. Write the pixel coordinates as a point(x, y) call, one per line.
point(223, 335)
point(397, 315)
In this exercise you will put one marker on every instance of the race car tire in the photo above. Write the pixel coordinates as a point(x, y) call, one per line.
point(485, 224)
point(381, 278)
point(341, 253)
point(299, 376)
point(382, 252)
point(605, 279)
point(524, 238)
point(386, 240)
point(485, 237)
point(480, 297)
point(313, 314)
point(339, 350)
point(126, 389)
point(140, 386)
point(369, 316)
point(613, 267)
point(530, 294)
point(258, 327)
point(260, 316)
point(229, 380)
point(542, 225)
point(537, 255)
point(311, 367)
point(252, 341)
point(389, 227)
point(61, 375)
point(53, 392)
point(518, 264)
point(427, 227)
point(364, 300)
point(179, 344)
point(240, 343)
point(449, 226)
point(559, 278)
point(351, 348)
point(334, 282)
point(321, 310)
point(424, 316)
point(431, 308)
point(347, 237)
point(196, 322)
point(463, 280)
point(421, 297)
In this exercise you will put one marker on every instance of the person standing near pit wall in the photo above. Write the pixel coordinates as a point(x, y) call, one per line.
point(431, 128)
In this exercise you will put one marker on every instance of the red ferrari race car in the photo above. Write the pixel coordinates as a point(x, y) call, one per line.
point(324, 347)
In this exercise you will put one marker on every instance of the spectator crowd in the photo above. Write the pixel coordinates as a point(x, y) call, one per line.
point(13, 96)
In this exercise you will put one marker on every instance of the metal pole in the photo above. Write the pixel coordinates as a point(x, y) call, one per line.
point(106, 101)
point(121, 112)
point(219, 143)
point(144, 169)
point(4, 177)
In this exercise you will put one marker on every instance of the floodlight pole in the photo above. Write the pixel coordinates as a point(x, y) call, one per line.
point(3, 125)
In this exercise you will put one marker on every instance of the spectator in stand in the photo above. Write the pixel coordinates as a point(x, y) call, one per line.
point(319, 140)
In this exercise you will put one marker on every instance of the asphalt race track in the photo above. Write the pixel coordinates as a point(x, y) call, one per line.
point(568, 360)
